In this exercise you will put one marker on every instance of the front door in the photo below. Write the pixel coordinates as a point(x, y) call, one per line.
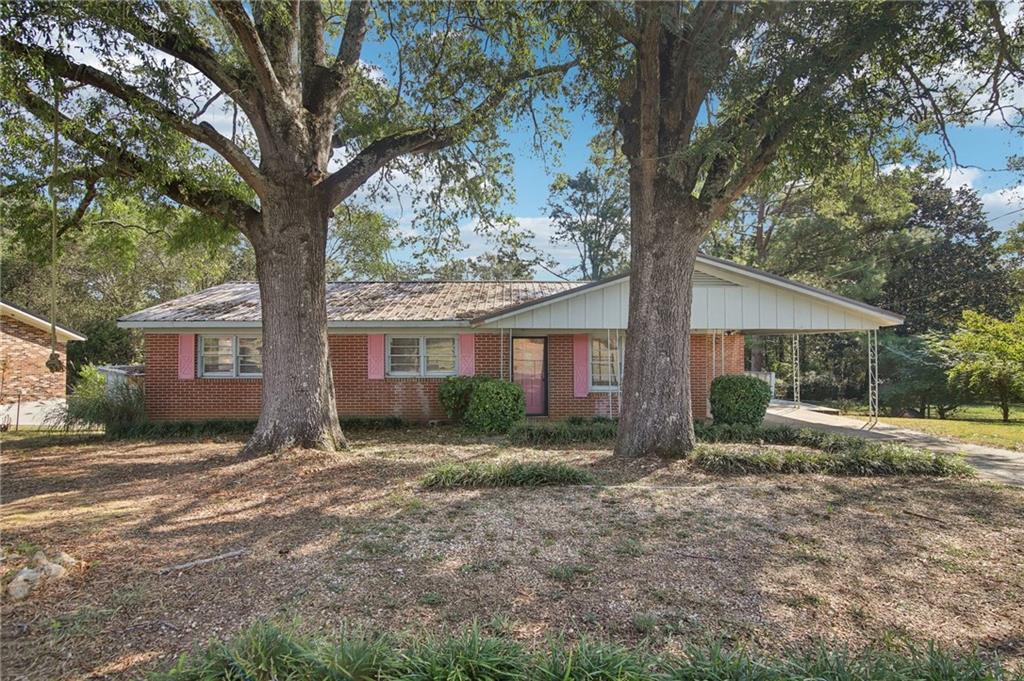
point(530, 372)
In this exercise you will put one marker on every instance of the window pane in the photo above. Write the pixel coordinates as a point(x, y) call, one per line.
point(404, 356)
point(250, 355)
point(605, 362)
point(441, 355)
point(218, 355)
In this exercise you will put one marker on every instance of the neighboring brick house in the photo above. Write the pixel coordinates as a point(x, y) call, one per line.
point(393, 343)
point(24, 349)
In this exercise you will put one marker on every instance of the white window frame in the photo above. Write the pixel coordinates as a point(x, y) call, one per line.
point(590, 362)
point(235, 357)
point(422, 371)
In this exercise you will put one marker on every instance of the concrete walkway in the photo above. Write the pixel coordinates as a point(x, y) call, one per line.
point(1000, 465)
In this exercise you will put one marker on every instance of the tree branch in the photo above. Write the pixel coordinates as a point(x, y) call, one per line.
point(214, 202)
point(339, 185)
point(625, 28)
point(351, 45)
point(181, 43)
point(204, 133)
point(279, 37)
point(234, 17)
point(329, 85)
point(312, 51)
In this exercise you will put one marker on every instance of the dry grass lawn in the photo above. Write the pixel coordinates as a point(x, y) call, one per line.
point(657, 552)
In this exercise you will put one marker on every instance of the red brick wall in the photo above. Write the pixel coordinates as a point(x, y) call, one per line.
point(705, 365)
point(168, 398)
point(24, 350)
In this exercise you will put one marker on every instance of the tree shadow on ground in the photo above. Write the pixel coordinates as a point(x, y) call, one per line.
point(657, 552)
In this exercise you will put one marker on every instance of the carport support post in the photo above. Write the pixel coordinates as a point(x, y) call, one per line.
point(872, 376)
point(795, 358)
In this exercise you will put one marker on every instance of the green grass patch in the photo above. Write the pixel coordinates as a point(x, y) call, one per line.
point(866, 459)
point(264, 652)
point(505, 474)
point(568, 572)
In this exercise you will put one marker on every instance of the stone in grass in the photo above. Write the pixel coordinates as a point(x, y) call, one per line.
point(23, 583)
point(53, 570)
point(65, 559)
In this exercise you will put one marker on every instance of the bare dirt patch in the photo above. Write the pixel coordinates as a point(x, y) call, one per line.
point(656, 552)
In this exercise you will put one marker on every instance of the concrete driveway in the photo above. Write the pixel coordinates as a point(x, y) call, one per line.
point(27, 413)
point(1000, 465)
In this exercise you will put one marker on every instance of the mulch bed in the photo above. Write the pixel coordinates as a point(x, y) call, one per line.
point(658, 554)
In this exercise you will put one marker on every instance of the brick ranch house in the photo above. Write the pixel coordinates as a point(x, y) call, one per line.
point(24, 349)
point(392, 343)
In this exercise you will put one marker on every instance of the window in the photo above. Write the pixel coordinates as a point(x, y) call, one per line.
point(404, 356)
point(250, 356)
point(218, 355)
point(230, 356)
point(606, 361)
point(440, 354)
point(421, 356)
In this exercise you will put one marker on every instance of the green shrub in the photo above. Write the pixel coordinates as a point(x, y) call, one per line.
point(455, 393)
point(91, 405)
point(504, 474)
point(564, 432)
point(736, 398)
point(865, 459)
point(264, 652)
point(495, 406)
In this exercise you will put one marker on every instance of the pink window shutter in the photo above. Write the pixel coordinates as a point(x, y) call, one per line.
point(375, 356)
point(467, 354)
point(581, 364)
point(186, 356)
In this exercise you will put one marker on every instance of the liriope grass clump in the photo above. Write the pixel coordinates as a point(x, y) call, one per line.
point(567, 432)
point(475, 474)
point(265, 652)
point(866, 459)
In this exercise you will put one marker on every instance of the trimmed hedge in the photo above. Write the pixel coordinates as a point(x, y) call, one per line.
point(504, 474)
point(495, 406)
point(736, 398)
point(265, 652)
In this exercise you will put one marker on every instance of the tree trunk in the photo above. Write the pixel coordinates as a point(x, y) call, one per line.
point(657, 416)
point(299, 409)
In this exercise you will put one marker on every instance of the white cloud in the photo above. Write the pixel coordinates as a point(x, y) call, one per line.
point(955, 178)
point(1005, 207)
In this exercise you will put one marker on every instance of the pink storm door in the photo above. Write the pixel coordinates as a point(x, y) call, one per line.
point(530, 371)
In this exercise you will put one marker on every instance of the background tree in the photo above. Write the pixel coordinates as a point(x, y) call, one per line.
point(120, 256)
point(915, 379)
point(986, 355)
point(955, 265)
point(710, 95)
point(590, 210)
point(312, 122)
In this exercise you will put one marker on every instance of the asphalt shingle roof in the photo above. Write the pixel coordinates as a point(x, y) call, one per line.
point(365, 301)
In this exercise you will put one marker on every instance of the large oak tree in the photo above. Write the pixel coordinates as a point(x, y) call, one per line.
point(708, 95)
point(313, 116)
